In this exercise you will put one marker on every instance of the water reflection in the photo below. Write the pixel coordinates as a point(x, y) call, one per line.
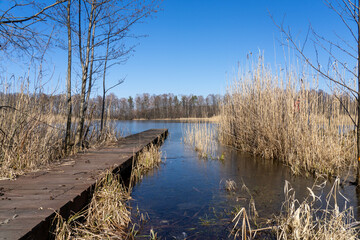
point(185, 198)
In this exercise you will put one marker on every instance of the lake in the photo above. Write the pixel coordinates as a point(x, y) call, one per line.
point(185, 197)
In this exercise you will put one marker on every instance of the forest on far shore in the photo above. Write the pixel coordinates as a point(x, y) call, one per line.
point(142, 106)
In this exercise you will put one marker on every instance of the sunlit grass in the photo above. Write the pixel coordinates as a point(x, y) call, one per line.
point(108, 214)
point(150, 158)
point(32, 136)
point(203, 138)
point(307, 219)
point(280, 117)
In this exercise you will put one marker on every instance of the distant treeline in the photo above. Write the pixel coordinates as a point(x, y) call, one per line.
point(162, 106)
point(144, 106)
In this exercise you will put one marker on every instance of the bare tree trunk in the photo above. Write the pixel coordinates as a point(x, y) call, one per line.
point(91, 64)
point(85, 68)
point(104, 87)
point(69, 104)
point(358, 100)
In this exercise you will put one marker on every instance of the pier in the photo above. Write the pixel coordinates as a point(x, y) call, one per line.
point(28, 204)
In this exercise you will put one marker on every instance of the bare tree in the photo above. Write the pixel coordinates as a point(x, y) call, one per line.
point(104, 25)
point(17, 32)
point(68, 96)
point(349, 14)
point(84, 65)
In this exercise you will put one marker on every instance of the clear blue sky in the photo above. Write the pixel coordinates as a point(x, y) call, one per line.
point(194, 46)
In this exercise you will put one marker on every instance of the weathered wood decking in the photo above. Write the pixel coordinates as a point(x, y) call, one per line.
point(27, 204)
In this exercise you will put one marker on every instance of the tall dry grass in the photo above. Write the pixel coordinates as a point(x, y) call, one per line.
point(148, 159)
point(107, 217)
point(280, 117)
point(30, 136)
point(310, 219)
point(203, 137)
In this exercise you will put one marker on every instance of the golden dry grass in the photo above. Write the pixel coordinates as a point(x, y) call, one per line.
point(202, 137)
point(279, 117)
point(306, 220)
point(310, 219)
point(31, 136)
point(107, 217)
point(148, 159)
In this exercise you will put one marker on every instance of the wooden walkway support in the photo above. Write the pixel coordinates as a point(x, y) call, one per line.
point(28, 204)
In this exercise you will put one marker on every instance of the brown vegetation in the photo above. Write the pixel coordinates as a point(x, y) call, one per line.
point(280, 117)
point(108, 215)
point(32, 137)
point(202, 137)
point(307, 219)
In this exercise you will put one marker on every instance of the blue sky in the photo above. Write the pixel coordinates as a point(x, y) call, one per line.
point(194, 46)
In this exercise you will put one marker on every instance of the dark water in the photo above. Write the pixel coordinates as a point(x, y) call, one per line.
point(185, 197)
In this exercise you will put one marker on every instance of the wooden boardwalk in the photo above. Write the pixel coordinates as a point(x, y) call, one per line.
point(27, 204)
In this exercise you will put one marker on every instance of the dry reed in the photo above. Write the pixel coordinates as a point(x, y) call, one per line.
point(32, 136)
point(230, 185)
point(29, 135)
point(148, 159)
point(107, 216)
point(280, 117)
point(202, 137)
point(309, 219)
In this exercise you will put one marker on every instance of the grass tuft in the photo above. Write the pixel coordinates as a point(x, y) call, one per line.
point(107, 216)
point(203, 138)
point(306, 220)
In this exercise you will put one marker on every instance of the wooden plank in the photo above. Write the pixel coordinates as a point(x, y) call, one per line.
point(27, 204)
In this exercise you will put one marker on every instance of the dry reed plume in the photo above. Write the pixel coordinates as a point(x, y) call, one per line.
point(279, 117)
point(202, 137)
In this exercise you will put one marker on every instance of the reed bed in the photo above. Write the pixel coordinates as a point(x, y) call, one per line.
point(32, 136)
point(306, 220)
point(202, 137)
point(29, 135)
point(280, 117)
